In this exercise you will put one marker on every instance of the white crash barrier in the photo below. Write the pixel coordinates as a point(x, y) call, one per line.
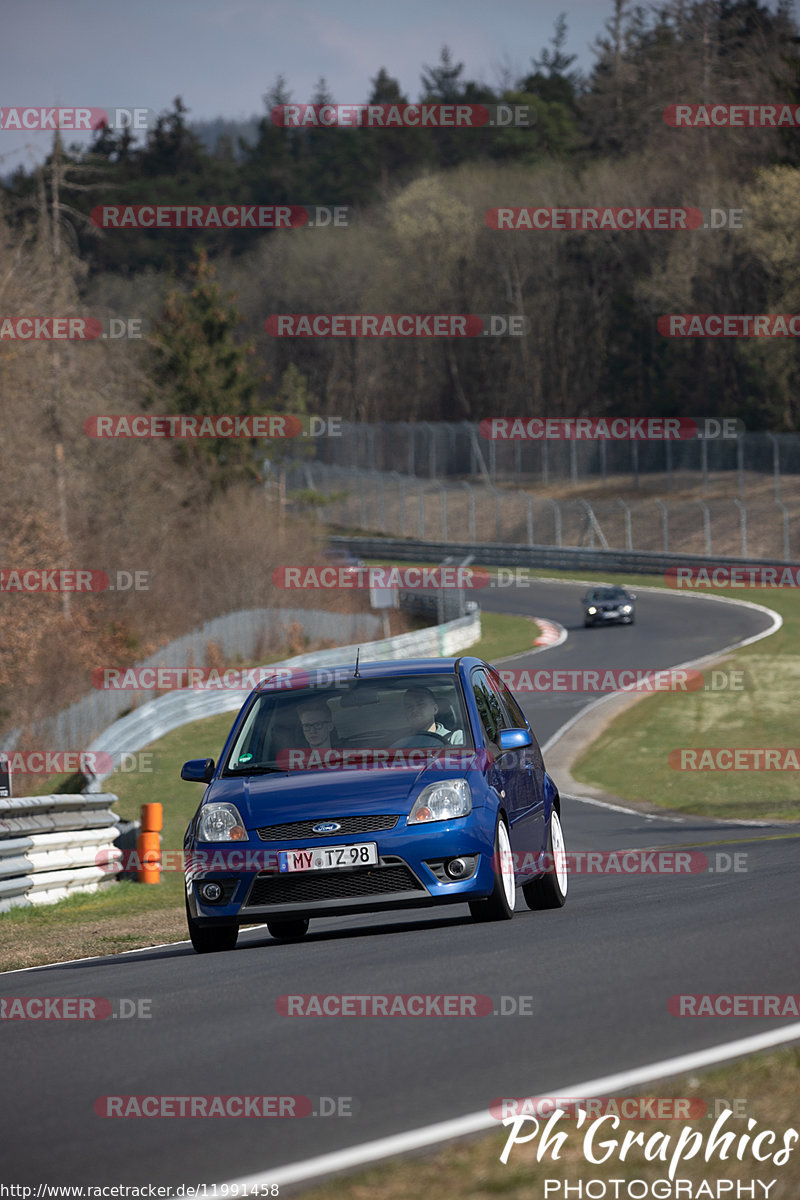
point(53, 846)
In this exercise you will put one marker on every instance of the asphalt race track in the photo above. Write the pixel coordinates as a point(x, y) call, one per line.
point(598, 973)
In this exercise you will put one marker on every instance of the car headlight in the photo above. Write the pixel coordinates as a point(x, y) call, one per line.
point(591, 609)
point(626, 608)
point(221, 823)
point(442, 802)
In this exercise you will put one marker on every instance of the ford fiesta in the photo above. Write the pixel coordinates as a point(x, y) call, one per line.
point(368, 788)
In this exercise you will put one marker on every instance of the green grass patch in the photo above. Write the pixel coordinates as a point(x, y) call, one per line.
point(631, 758)
point(763, 1087)
point(503, 634)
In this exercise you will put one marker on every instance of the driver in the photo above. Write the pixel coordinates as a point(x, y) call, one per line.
point(421, 709)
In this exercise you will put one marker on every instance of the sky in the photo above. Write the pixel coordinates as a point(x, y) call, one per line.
point(221, 56)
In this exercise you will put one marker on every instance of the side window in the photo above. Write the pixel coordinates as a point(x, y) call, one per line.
point(488, 705)
point(517, 721)
point(516, 717)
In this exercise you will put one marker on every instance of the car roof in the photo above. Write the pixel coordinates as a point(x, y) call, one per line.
point(392, 669)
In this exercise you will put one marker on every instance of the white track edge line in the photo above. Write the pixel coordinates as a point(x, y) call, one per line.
point(429, 1135)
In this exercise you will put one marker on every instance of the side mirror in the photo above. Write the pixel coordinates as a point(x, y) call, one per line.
point(632, 595)
point(514, 739)
point(198, 770)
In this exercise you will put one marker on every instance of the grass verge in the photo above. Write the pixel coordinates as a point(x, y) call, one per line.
point(765, 1086)
point(631, 758)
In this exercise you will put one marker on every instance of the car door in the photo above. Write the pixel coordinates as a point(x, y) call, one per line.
point(531, 764)
point(509, 773)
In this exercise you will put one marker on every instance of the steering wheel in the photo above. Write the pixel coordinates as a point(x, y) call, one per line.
point(419, 739)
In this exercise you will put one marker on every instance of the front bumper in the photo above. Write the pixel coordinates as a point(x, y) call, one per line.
point(405, 877)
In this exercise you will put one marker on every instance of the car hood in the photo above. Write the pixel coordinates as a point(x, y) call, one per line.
point(305, 795)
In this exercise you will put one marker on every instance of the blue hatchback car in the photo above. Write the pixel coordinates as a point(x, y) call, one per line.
point(372, 787)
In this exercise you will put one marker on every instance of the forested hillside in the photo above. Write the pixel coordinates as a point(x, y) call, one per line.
point(416, 241)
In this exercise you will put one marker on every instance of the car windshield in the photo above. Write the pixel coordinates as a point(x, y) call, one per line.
point(302, 728)
point(608, 593)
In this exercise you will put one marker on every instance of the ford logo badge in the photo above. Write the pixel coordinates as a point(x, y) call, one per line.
point(326, 827)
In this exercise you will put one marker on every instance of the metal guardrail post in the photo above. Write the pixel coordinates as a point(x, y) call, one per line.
point(594, 525)
point(664, 523)
point(740, 465)
point(742, 524)
point(421, 505)
point(628, 529)
point(776, 465)
point(782, 506)
point(706, 525)
point(529, 519)
point(471, 497)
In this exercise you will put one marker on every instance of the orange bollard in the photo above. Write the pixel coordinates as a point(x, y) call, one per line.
point(148, 848)
point(152, 818)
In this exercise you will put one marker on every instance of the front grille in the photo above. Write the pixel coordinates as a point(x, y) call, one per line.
point(310, 887)
point(303, 829)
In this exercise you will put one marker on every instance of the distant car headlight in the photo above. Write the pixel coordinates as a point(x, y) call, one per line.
point(221, 823)
point(442, 802)
point(626, 608)
point(591, 609)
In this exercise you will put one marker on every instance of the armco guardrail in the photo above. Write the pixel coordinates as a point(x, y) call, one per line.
point(236, 634)
point(562, 558)
point(152, 720)
point(53, 846)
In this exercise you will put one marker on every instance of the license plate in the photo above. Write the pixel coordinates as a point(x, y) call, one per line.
point(612, 612)
point(325, 858)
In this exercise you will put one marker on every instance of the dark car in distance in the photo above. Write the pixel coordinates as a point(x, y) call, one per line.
point(606, 605)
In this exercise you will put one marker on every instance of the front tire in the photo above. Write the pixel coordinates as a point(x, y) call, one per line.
point(500, 905)
point(288, 931)
point(550, 889)
point(210, 939)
